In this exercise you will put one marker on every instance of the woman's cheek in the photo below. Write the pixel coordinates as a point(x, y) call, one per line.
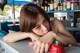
point(36, 32)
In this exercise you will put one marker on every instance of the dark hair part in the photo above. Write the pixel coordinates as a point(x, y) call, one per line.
point(28, 17)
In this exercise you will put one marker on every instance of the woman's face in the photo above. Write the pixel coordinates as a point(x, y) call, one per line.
point(42, 26)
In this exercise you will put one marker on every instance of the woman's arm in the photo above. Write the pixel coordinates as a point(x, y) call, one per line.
point(15, 36)
point(63, 35)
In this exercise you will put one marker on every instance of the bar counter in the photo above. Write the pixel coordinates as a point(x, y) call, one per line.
point(23, 47)
point(73, 29)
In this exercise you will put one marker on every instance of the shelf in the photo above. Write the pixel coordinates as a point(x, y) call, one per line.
point(18, 2)
point(63, 11)
point(71, 0)
point(76, 10)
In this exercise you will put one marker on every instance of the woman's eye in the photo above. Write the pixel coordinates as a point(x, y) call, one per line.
point(37, 27)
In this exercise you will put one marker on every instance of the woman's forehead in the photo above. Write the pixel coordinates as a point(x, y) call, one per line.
point(40, 18)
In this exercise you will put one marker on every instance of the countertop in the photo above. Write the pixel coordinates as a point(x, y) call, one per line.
point(23, 47)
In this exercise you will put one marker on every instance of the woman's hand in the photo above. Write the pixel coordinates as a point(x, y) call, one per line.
point(42, 44)
point(34, 37)
point(48, 38)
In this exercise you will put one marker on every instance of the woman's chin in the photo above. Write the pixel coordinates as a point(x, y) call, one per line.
point(41, 35)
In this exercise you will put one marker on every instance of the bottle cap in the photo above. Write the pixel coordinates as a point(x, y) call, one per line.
point(57, 42)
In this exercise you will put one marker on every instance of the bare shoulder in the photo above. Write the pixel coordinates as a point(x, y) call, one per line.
point(55, 21)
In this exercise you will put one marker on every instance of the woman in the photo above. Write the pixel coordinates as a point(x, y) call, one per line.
point(35, 24)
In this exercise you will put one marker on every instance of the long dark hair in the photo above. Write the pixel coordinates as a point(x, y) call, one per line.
point(28, 17)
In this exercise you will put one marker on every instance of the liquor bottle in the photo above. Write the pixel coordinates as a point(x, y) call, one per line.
point(46, 5)
point(76, 6)
point(51, 4)
point(35, 1)
point(64, 6)
point(64, 18)
point(68, 5)
point(72, 23)
point(56, 1)
point(59, 5)
point(43, 5)
point(72, 6)
point(55, 6)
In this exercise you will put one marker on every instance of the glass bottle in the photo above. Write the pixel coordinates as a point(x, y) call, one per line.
point(51, 5)
point(43, 5)
point(64, 5)
point(46, 5)
point(68, 5)
point(55, 6)
point(72, 6)
point(72, 23)
point(59, 6)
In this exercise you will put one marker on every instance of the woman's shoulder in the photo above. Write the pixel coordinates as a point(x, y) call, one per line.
point(54, 20)
point(54, 24)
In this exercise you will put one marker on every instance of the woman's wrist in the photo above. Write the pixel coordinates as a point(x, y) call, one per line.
point(33, 36)
point(29, 35)
point(54, 34)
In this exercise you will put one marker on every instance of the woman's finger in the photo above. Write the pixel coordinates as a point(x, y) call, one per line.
point(35, 46)
point(46, 47)
point(38, 47)
point(42, 48)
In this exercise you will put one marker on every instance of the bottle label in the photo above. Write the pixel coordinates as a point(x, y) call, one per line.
point(68, 5)
point(51, 6)
point(72, 24)
point(46, 8)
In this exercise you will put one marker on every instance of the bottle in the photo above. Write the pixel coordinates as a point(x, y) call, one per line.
point(57, 47)
point(72, 24)
point(55, 6)
point(76, 7)
point(56, 1)
point(64, 5)
point(14, 23)
point(68, 5)
point(51, 4)
point(43, 5)
point(59, 6)
point(35, 1)
point(64, 18)
point(72, 6)
point(46, 5)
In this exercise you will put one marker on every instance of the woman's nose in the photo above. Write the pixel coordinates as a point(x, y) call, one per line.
point(44, 29)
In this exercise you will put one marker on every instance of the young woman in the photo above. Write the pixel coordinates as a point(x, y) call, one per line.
point(35, 24)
